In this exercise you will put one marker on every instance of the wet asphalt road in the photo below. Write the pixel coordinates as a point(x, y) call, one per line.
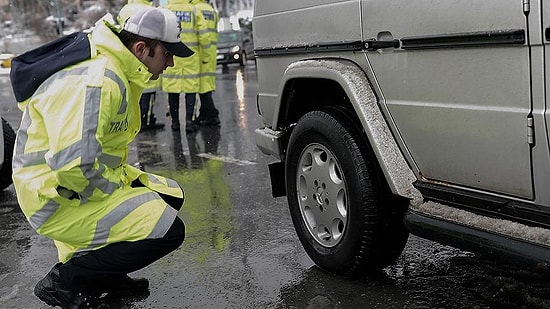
point(241, 250)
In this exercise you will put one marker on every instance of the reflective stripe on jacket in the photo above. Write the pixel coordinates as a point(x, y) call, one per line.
point(184, 75)
point(69, 165)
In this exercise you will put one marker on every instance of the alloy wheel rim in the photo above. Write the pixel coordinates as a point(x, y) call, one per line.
point(322, 195)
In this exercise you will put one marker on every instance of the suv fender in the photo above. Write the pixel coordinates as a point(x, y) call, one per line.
point(355, 84)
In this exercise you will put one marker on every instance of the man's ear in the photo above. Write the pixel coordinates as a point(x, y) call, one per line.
point(139, 49)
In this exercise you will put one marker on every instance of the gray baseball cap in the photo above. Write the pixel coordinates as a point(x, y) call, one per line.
point(159, 24)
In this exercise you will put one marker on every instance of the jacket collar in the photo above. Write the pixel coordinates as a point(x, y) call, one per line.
point(107, 43)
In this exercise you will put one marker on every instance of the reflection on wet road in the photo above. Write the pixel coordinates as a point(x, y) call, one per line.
point(241, 250)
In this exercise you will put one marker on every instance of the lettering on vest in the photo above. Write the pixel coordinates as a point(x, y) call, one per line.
point(208, 15)
point(119, 126)
point(183, 16)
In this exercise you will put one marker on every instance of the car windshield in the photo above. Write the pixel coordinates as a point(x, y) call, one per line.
point(226, 37)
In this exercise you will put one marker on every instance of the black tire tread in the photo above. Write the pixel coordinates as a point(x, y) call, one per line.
point(379, 245)
point(9, 142)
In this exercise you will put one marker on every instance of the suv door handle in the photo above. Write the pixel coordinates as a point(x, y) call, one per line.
point(547, 33)
point(373, 44)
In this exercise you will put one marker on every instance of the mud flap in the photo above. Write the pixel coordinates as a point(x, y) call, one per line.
point(277, 175)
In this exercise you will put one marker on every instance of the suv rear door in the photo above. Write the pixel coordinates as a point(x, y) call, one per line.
point(458, 88)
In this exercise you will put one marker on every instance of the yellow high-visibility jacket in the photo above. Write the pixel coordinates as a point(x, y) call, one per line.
point(207, 31)
point(184, 75)
point(69, 165)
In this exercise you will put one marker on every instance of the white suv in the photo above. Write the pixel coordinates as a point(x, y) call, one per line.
point(390, 117)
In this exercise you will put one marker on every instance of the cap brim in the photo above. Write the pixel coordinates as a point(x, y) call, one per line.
point(178, 49)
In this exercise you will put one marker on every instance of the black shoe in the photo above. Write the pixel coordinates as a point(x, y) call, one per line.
point(51, 291)
point(191, 126)
point(129, 287)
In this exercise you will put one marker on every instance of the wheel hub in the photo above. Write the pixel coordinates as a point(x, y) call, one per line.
point(322, 195)
point(319, 193)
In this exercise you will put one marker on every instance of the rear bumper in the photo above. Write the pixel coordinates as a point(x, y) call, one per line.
point(270, 142)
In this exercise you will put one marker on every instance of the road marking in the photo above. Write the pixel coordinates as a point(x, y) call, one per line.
point(226, 159)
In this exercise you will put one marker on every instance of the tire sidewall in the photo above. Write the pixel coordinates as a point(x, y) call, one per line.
point(322, 128)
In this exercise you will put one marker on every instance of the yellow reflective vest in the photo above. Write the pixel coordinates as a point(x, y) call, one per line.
point(195, 74)
point(207, 31)
point(184, 75)
point(69, 165)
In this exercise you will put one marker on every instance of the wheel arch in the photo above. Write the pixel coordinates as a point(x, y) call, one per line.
point(316, 84)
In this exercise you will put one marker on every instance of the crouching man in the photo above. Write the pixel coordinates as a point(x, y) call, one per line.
point(80, 101)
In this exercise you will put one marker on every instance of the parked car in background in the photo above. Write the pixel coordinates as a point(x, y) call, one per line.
point(235, 46)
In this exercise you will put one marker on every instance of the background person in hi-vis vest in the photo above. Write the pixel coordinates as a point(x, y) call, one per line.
point(183, 77)
point(207, 29)
point(80, 113)
point(195, 74)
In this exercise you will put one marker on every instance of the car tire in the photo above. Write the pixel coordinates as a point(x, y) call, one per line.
point(9, 143)
point(346, 218)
